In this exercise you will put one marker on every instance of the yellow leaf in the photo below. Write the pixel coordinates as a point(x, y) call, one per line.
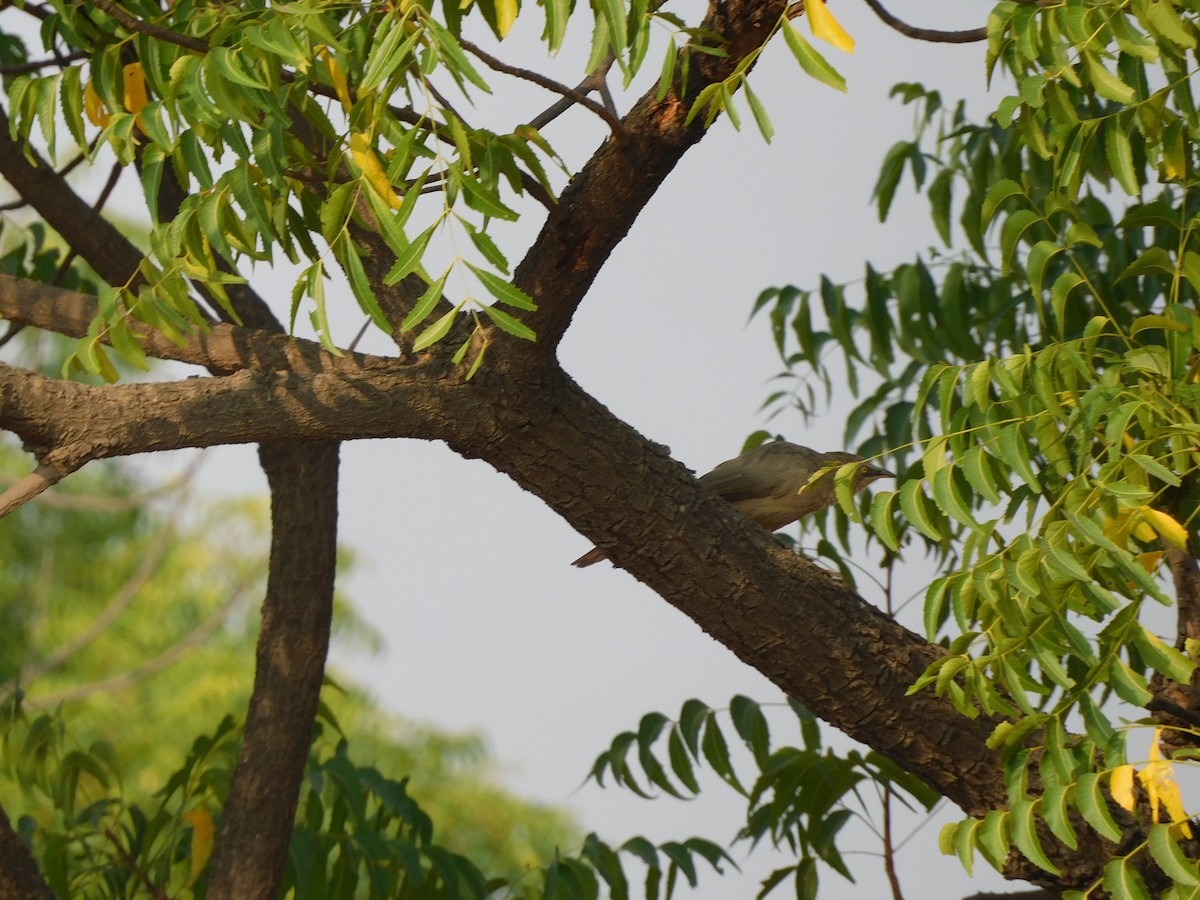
point(1158, 778)
point(1121, 786)
point(1150, 561)
point(506, 14)
point(1169, 529)
point(135, 88)
point(203, 830)
point(338, 77)
point(97, 112)
point(826, 27)
point(372, 170)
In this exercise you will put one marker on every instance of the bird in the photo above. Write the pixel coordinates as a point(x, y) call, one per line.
point(770, 484)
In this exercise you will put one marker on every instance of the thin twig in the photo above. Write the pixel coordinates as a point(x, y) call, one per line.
point(927, 34)
point(38, 64)
point(549, 84)
point(164, 34)
point(115, 606)
point(168, 657)
point(14, 328)
point(155, 891)
point(889, 852)
point(30, 486)
point(592, 82)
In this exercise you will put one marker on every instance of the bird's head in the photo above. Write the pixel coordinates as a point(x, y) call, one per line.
point(864, 473)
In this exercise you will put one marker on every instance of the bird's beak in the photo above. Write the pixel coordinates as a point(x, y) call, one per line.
point(878, 472)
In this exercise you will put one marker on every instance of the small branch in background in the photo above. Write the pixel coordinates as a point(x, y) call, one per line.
point(571, 94)
point(37, 10)
point(152, 667)
point(154, 31)
point(31, 485)
point(154, 891)
point(39, 64)
point(927, 34)
point(116, 605)
point(14, 328)
point(889, 850)
point(593, 82)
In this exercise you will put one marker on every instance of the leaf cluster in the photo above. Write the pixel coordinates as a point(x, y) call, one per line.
point(800, 796)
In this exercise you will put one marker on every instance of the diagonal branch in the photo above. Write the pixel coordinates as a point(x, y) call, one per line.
point(88, 233)
point(135, 24)
point(549, 84)
point(927, 34)
point(599, 206)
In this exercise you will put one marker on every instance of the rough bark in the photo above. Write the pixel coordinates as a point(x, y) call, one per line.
point(256, 824)
point(19, 875)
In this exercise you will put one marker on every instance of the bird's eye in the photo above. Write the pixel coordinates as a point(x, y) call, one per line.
point(863, 470)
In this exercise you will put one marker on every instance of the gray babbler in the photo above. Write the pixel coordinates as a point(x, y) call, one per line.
point(770, 484)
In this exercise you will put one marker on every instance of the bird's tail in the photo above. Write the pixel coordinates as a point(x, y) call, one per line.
point(592, 556)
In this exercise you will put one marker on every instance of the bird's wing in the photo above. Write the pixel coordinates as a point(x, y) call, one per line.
point(771, 470)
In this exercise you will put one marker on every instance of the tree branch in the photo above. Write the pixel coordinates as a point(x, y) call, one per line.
point(927, 34)
point(222, 349)
point(256, 825)
point(44, 476)
point(599, 206)
point(88, 233)
point(20, 878)
point(549, 84)
point(137, 25)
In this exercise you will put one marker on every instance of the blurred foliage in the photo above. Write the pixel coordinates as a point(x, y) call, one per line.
point(132, 612)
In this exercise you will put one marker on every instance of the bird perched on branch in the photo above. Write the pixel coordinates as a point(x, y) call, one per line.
point(770, 484)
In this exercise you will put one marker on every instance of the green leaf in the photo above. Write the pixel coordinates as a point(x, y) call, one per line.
point(426, 303)
point(1170, 858)
point(1014, 228)
point(915, 507)
point(812, 62)
point(437, 330)
point(485, 201)
point(883, 522)
point(1093, 806)
point(1120, 156)
point(509, 323)
point(964, 838)
point(997, 194)
point(1024, 835)
point(1105, 83)
point(503, 290)
point(410, 259)
point(993, 837)
point(1121, 880)
point(1129, 685)
point(761, 119)
point(1167, 660)
point(557, 14)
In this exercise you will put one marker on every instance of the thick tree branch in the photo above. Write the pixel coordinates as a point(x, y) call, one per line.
point(257, 822)
point(222, 349)
point(88, 233)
